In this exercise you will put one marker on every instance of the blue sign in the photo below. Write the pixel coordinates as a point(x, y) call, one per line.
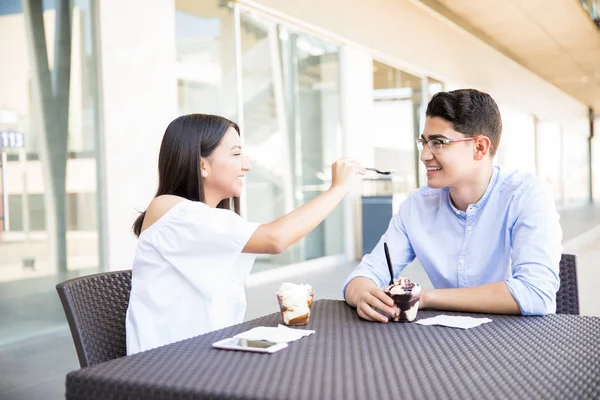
point(12, 140)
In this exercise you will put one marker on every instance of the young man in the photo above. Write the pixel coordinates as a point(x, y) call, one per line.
point(488, 238)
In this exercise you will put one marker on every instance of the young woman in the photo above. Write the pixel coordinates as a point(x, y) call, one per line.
point(195, 251)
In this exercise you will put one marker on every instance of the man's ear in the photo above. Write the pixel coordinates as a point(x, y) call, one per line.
point(483, 145)
point(204, 167)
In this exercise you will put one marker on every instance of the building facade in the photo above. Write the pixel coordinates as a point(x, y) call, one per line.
point(308, 82)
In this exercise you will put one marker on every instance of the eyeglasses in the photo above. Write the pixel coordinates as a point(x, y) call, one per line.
point(436, 145)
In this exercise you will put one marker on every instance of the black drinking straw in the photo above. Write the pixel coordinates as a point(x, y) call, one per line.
point(389, 262)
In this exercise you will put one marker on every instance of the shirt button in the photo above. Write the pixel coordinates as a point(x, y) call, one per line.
point(469, 228)
point(461, 261)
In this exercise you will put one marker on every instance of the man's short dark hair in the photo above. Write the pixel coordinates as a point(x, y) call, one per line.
point(470, 112)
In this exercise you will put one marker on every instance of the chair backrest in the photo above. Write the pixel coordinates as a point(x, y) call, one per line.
point(567, 298)
point(95, 306)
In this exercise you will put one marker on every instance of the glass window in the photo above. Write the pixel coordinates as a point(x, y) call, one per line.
point(575, 162)
point(15, 212)
point(517, 144)
point(433, 86)
point(205, 58)
point(549, 145)
point(397, 107)
point(37, 214)
point(316, 131)
point(291, 130)
point(269, 145)
point(56, 112)
point(290, 127)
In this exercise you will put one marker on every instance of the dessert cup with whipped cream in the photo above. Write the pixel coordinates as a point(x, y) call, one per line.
point(295, 302)
point(406, 295)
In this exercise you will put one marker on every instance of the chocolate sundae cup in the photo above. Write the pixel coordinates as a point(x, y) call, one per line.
point(295, 302)
point(406, 295)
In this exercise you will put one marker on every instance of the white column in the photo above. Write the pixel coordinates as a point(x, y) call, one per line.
point(356, 87)
point(139, 99)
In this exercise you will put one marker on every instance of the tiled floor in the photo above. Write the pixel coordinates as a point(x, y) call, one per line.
point(35, 368)
point(588, 277)
point(576, 220)
point(30, 307)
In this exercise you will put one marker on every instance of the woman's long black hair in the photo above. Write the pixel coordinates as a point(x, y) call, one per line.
point(186, 139)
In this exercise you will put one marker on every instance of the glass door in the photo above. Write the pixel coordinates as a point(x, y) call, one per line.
point(291, 129)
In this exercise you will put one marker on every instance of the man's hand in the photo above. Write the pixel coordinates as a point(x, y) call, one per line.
point(364, 294)
point(372, 300)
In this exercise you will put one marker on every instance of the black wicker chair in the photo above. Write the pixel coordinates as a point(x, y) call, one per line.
point(567, 298)
point(95, 307)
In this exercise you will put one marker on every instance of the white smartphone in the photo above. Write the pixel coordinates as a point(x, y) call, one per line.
point(258, 346)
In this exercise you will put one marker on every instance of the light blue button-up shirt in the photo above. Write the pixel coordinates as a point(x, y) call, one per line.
point(511, 234)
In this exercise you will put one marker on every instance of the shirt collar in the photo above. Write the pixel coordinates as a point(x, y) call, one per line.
point(484, 198)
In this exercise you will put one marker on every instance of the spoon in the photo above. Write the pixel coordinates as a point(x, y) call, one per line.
point(389, 262)
point(391, 171)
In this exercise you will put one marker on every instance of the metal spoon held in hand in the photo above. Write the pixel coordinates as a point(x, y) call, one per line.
point(389, 262)
point(391, 171)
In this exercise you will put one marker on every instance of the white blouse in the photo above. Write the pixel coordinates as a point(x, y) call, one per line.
point(188, 275)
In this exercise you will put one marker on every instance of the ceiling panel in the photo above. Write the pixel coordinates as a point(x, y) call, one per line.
point(554, 39)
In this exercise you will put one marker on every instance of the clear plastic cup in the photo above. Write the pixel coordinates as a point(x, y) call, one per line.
point(295, 311)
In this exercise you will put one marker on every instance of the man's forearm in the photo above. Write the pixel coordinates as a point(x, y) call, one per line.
point(357, 286)
point(494, 298)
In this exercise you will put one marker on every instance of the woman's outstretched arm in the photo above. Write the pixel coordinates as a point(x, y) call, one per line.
point(278, 235)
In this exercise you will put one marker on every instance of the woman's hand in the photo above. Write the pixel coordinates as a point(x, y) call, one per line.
point(343, 171)
point(278, 235)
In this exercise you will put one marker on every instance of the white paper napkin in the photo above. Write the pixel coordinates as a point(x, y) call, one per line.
point(277, 335)
point(454, 321)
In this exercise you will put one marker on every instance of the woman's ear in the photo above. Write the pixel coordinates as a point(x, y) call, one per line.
point(204, 167)
point(483, 145)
